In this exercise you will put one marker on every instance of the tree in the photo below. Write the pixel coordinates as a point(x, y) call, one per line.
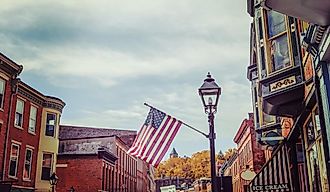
point(195, 167)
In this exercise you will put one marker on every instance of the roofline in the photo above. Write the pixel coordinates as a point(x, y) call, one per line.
point(13, 64)
point(96, 137)
point(84, 126)
point(241, 130)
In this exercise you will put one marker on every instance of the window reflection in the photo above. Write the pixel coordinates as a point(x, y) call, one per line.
point(276, 23)
point(315, 169)
point(279, 53)
point(310, 132)
point(268, 119)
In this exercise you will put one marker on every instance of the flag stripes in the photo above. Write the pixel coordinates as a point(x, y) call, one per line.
point(155, 137)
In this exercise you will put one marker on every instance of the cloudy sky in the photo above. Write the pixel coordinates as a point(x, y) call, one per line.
point(105, 58)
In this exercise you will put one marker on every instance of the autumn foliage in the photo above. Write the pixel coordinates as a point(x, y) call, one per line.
point(196, 166)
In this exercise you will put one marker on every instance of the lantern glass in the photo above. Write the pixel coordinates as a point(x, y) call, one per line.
point(209, 93)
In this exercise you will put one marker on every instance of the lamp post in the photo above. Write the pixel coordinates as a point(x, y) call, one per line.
point(210, 93)
point(53, 181)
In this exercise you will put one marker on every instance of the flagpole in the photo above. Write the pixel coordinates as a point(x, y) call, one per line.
point(183, 123)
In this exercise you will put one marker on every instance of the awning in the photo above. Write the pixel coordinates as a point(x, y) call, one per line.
point(275, 175)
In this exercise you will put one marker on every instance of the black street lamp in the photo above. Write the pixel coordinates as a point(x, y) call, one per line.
point(53, 181)
point(210, 93)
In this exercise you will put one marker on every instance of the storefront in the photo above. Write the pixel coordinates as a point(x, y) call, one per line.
point(275, 175)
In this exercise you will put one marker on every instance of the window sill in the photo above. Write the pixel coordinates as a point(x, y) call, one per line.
point(18, 127)
point(32, 133)
point(50, 136)
point(26, 180)
point(12, 177)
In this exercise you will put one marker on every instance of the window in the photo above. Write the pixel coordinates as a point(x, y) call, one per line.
point(33, 119)
point(47, 160)
point(19, 113)
point(14, 154)
point(310, 135)
point(268, 119)
point(51, 124)
point(278, 41)
point(2, 92)
point(314, 153)
point(27, 164)
point(276, 23)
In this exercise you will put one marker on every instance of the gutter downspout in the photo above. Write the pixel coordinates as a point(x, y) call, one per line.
point(13, 82)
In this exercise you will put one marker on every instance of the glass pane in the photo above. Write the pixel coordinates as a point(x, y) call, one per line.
point(268, 119)
point(276, 23)
point(28, 156)
point(2, 86)
point(33, 112)
point(279, 53)
point(47, 160)
point(26, 171)
point(51, 119)
point(314, 170)
point(18, 119)
point(2, 90)
point(317, 123)
point(12, 168)
point(14, 151)
point(19, 106)
point(50, 130)
point(32, 125)
point(310, 132)
point(45, 174)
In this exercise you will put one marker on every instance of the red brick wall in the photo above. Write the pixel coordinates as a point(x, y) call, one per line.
point(22, 136)
point(84, 173)
point(125, 169)
point(4, 117)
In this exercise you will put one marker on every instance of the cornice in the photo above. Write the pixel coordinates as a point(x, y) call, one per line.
point(10, 66)
point(54, 103)
point(38, 98)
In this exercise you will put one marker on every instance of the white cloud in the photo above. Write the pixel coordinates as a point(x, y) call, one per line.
point(133, 52)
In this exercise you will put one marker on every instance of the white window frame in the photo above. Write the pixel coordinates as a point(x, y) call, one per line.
point(2, 92)
point(16, 125)
point(32, 129)
point(25, 162)
point(10, 159)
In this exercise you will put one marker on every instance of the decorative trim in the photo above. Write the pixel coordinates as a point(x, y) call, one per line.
point(48, 102)
point(282, 83)
point(29, 96)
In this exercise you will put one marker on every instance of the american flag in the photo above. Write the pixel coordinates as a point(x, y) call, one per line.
point(155, 137)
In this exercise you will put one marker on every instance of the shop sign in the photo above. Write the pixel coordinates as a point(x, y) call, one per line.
point(282, 83)
point(270, 187)
point(272, 138)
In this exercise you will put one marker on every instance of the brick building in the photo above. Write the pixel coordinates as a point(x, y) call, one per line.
point(104, 151)
point(9, 70)
point(22, 119)
point(250, 155)
point(23, 137)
